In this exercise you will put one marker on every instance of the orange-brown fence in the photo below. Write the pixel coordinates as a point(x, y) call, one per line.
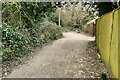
point(91, 27)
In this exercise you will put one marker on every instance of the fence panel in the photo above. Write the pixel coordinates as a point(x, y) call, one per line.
point(105, 36)
point(114, 45)
point(108, 41)
point(119, 43)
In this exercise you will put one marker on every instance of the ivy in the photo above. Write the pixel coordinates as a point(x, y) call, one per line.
point(26, 25)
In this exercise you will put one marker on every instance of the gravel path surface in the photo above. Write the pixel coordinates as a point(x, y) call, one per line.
point(62, 59)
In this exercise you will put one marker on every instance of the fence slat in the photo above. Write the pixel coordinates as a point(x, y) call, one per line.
point(108, 41)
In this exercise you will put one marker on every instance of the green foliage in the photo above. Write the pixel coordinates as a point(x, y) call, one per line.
point(24, 27)
point(50, 29)
point(87, 18)
point(14, 43)
point(26, 11)
point(85, 28)
point(65, 29)
point(0, 50)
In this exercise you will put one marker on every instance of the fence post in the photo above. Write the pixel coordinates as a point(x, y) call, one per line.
point(119, 44)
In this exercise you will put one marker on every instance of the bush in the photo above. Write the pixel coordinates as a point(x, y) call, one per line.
point(15, 44)
point(85, 28)
point(23, 28)
point(51, 30)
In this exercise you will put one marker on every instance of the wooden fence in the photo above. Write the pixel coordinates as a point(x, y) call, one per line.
point(108, 40)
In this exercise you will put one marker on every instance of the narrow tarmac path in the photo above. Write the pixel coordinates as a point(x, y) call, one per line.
point(62, 59)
